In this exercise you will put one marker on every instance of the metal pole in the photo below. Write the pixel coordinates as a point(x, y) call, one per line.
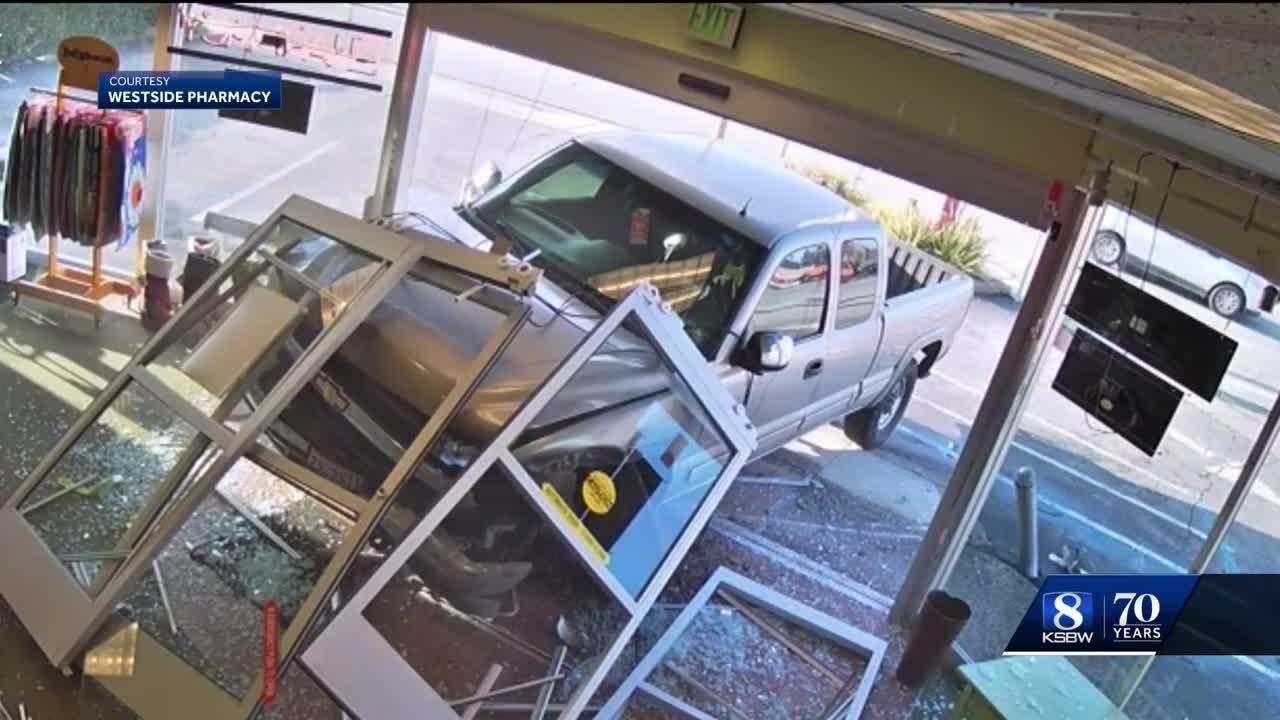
point(159, 134)
point(404, 115)
point(998, 416)
point(1028, 531)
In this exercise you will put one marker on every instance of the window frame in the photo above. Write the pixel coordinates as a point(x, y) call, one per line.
point(839, 287)
point(772, 269)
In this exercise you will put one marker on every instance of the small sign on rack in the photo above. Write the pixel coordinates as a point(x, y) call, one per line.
point(82, 57)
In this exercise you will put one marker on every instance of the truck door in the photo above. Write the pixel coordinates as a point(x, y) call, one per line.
point(794, 302)
point(856, 330)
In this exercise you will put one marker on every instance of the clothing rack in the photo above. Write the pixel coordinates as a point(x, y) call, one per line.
point(69, 286)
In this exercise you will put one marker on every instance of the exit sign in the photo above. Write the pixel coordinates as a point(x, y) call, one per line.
point(716, 23)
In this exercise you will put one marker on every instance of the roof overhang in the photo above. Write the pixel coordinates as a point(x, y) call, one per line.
point(1039, 52)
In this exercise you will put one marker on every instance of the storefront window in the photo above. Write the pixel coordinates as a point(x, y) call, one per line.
point(1108, 506)
point(244, 170)
point(489, 105)
point(29, 38)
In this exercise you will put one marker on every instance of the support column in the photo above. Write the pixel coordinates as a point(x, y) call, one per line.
point(1003, 405)
point(404, 116)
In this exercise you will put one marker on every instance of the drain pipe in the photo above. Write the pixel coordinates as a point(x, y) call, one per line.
point(1024, 481)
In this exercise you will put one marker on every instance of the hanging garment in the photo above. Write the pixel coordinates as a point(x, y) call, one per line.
point(27, 170)
point(111, 183)
point(46, 171)
point(62, 152)
point(88, 219)
point(38, 136)
point(13, 166)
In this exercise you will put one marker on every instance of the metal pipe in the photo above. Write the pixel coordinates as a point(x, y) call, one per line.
point(1024, 480)
point(544, 693)
point(507, 690)
point(62, 492)
point(781, 637)
point(486, 684)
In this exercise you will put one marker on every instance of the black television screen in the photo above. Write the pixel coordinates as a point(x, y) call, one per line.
point(1126, 397)
point(1152, 330)
point(294, 113)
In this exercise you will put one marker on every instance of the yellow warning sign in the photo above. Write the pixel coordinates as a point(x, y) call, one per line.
point(575, 525)
point(599, 492)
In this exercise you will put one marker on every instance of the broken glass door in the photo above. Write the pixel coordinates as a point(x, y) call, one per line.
point(192, 494)
point(556, 537)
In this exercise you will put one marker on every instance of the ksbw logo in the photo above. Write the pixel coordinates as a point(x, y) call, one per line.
point(1066, 618)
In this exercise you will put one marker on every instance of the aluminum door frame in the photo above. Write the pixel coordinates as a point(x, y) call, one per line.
point(58, 612)
point(849, 700)
point(379, 683)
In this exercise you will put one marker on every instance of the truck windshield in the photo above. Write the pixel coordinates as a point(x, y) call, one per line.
point(604, 230)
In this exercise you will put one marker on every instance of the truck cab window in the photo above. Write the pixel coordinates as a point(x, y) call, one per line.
point(859, 264)
point(796, 296)
point(601, 231)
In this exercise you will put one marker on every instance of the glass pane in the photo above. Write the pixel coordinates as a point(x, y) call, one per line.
point(472, 84)
point(626, 453)
point(353, 421)
point(136, 451)
point(1107, 506)
point(1218, 688)
point(496, 583)
point(271, 309)
point(334, 162)
point(256, 540)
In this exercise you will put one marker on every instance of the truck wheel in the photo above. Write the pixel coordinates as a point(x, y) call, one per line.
point(871, 427)
point(1226, 299)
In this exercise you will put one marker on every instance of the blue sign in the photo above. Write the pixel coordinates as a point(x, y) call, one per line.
point(1102, 614)
point(188, 90)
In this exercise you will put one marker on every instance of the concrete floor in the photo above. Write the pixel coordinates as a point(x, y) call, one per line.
point(52, 362)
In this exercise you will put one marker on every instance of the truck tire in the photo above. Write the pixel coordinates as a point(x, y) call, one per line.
point(871, 427)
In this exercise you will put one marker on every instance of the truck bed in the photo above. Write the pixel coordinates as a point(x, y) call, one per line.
point(911, 269)
point(926, 301)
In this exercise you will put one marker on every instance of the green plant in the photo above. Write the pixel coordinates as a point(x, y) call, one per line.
point(838, 184)
point(958, 243)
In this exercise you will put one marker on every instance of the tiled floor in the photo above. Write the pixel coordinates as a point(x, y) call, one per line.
point(51, 364)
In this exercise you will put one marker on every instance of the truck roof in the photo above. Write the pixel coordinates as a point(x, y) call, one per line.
point(719, 180)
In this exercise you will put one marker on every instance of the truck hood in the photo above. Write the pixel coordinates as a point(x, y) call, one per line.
point(419, 342)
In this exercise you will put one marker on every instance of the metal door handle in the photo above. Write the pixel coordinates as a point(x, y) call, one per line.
point(813, 368)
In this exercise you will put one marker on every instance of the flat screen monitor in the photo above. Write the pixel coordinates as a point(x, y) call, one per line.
point(294, 113)
point(1125, 396)
point(1191, 353)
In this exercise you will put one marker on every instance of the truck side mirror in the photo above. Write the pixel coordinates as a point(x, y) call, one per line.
point(767, 352)
point(484, 179)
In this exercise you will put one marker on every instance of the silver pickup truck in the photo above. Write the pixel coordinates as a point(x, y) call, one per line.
point(803, 307)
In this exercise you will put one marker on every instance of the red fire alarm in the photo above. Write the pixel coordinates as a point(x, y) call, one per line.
point(1052, 201)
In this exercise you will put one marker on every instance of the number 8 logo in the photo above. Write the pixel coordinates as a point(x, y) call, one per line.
point(1070, 611)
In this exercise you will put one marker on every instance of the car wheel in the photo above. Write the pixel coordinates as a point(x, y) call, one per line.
point(1108, 248)
point(871, 427)
point(1226, 299)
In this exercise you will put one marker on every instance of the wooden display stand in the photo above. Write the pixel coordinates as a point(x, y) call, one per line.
point(80, 59)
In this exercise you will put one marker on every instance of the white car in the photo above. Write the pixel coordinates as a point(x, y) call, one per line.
point(1226, 288)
